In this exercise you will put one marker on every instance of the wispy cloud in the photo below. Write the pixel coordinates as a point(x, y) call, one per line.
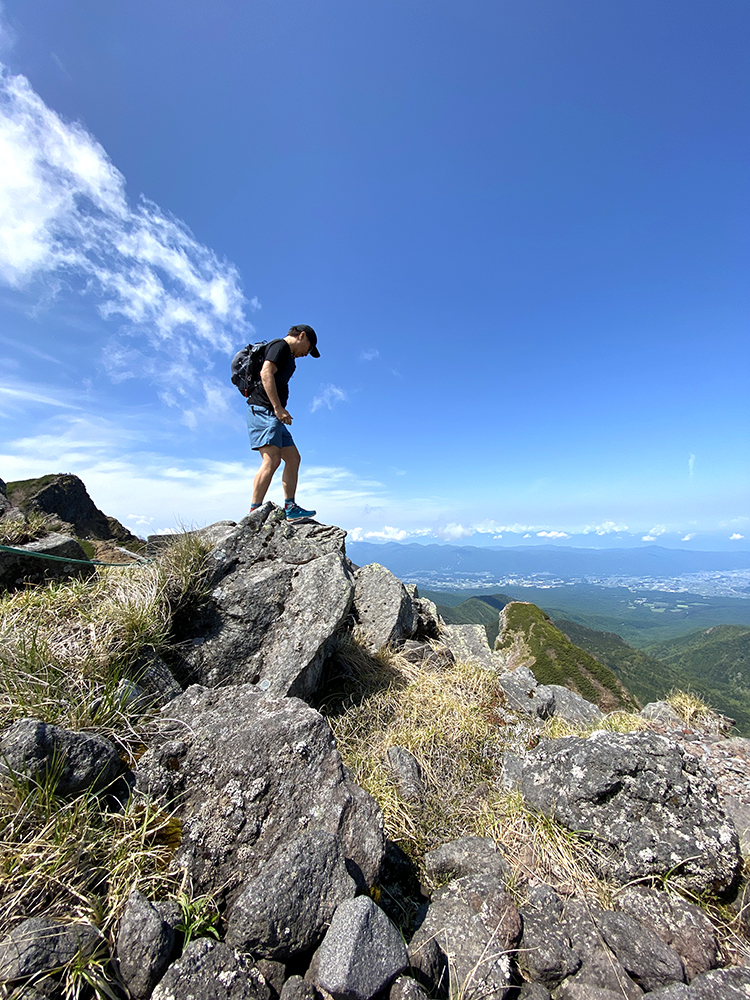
point(370, 354)
point(124, 473)
point(552, 534)
point(14, 394)
point(388, 534)
point(691, 465)
point(65, 220)
point(328, 396)
point(689, 537)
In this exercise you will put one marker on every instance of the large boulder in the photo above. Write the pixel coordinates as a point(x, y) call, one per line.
point(469, 644)
point(144, 945)
point(361, 954)
point(571, 707)
point(246, 775)
point(28, 565)
point(38, 947)
point(524, 694)
point(75, 762)
point(278, 594)
point(651, 808)
point(382, 607)
point(600, 968)
point(211, 970)
point(680, 924)
point(465, 943)
point(285, 910)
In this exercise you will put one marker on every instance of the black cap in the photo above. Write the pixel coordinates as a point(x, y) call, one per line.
point(311, 336)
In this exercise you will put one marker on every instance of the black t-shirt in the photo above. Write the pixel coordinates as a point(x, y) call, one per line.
point(280, 353)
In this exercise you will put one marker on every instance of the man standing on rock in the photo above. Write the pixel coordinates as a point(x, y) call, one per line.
point(268, 420)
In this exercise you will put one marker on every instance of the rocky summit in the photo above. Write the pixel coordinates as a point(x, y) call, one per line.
point(502, 838)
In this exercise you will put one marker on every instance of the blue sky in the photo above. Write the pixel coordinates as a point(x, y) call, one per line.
point(520, 228)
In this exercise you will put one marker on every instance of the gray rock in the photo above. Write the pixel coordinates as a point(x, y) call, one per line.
point(297, 988)
point(739, 812)
point(645, 957)
point(76, 761)
point(407, 774)
point(406, 988)
point(468, 643)
point(661, 711)
point(469, 933)
point(573, 990)
point(545, 954)
point(466, 856)
point(210, 970)
point(525, 695)
point(427, 621)
point(274, 974)
point(534, 991)
point(278, 594)
point(287, 907)
point(571, 707)
point(144, 945)
point(153, 674)
point(39, 945)
point(726, 984)
point(678, 991)
point(361, 954)
point(600, 968)
point(382, 607)
point(650, 807)
point(431, 655)
point(17, 569)
point(245, 774)
point(679, 924)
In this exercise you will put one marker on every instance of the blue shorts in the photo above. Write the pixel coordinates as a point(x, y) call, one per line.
point(265, 428)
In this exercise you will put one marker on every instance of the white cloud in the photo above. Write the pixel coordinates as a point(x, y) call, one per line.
point(691, 465)
point(689, 537)
point(388, 534)
point(735, 537)
point(124, 473)
point(65, 218)
point(552, 534)
point(329, 394)
point(369, 355)
point(454, 531)
point(605, 528)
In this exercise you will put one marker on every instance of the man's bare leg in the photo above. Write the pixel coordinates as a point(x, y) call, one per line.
point(289, 476)
point(270, 460)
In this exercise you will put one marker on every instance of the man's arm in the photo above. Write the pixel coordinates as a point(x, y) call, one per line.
point(267, 373)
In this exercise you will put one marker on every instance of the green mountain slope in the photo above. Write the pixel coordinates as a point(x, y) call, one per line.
point(640, 617)
point(648, 678)
point(529, 638)
point(715, 661)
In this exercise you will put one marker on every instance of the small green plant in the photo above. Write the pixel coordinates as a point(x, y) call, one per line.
point(200, 917)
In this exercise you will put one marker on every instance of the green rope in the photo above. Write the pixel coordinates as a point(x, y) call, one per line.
point(83, 562)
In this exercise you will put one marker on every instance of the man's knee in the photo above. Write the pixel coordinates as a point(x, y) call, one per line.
point(271, 458)
point(291, 457)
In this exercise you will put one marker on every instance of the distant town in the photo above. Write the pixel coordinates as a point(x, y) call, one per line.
point(727, 583)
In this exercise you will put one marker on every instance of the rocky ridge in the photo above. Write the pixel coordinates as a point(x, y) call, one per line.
point(293, 851)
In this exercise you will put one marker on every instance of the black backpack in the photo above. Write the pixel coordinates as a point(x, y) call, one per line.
point(246, 366)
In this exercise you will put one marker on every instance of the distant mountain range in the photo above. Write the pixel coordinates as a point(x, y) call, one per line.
point(441, 563)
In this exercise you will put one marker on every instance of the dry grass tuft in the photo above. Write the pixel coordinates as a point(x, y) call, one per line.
point(693, 710)
point(64, 648)
point(614, 722)
point(456, 725)
point(30, 527)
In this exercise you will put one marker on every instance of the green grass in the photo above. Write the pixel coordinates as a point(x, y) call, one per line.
point(532, 640)
point(19, 531)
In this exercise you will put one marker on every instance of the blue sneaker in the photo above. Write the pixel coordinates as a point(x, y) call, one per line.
point(296, 513)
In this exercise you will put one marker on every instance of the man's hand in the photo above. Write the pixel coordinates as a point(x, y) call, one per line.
point(283, 415)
